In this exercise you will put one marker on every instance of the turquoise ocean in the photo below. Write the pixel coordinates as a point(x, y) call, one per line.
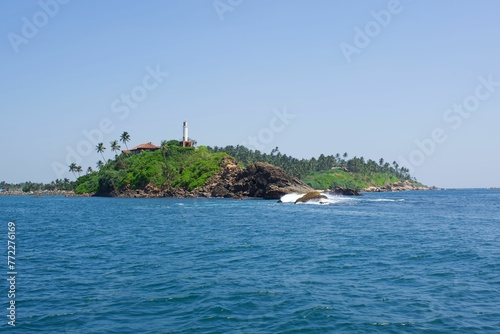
point(408, 262)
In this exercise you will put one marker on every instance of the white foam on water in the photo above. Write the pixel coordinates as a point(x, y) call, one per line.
point(331, 199)
point(290, 198)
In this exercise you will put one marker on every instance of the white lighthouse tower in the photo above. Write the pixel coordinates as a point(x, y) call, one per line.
point(185, 138)
point(185, 131)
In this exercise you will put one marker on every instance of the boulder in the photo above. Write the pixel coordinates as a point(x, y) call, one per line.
point(309, 196)
point(345, 191)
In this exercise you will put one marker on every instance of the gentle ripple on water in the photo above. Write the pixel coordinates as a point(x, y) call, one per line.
point(397, 262)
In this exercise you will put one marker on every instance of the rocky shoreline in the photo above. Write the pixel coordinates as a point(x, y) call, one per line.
point(398, 186)
point(214, 190)
point(260, 180)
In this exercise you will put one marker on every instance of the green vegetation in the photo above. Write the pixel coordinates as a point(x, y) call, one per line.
point(172, 165)
point(326, 172)
point(331, 179)
point(195, 166)
point(86, 184)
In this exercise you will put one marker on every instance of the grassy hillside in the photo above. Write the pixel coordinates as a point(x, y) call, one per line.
point(330, 179)
point(176, 166)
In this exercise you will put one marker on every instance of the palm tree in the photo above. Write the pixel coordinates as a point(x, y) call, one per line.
point(275, 151)
point(337, 157)
point(78, 170)
point(89, 170)
point(396, 165)
point(381, 162)
point(100, 149)
point(73, 168)
point(165, 150)
point(124, 138)
point(115, 147)
point(99, 164)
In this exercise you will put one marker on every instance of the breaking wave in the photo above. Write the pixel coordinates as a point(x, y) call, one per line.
point(330, 200)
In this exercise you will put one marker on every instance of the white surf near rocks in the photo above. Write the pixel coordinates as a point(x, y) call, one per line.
point(331, 199)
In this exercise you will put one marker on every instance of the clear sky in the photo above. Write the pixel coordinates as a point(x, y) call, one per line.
point(411, 81)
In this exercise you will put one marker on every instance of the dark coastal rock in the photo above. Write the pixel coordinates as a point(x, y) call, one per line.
point(346, 191)
point(256, 180)
point(309, 196)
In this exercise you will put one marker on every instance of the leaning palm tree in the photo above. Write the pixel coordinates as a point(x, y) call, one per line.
point(164, 150)
point(73, 168)
point(100, 149)
point(115, 147)
point(124, 138)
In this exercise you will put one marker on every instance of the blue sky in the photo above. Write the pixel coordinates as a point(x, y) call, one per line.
point(233, 66)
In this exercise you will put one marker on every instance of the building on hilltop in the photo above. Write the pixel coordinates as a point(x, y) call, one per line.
point(185, 139)
point(152, 147)
point(142, 148)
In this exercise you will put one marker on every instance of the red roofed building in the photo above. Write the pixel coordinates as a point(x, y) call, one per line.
point(142, 148)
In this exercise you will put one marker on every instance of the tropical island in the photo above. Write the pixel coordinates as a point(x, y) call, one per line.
point(182, 169)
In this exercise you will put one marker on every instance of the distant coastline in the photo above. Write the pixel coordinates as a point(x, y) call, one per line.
point(66, 193)
point(181, 169)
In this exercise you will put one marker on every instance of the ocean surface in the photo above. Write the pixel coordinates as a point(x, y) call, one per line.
point(409, 262)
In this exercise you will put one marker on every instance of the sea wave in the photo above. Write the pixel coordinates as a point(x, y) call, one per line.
point(329, 200)
point(333, 199)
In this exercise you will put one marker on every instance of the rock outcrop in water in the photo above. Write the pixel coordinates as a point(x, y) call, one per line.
point(310, 196)
point(231, 181)
point(345, 191)
point(256, 180)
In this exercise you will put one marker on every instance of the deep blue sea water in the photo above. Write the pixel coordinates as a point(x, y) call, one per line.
point(409, 262)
